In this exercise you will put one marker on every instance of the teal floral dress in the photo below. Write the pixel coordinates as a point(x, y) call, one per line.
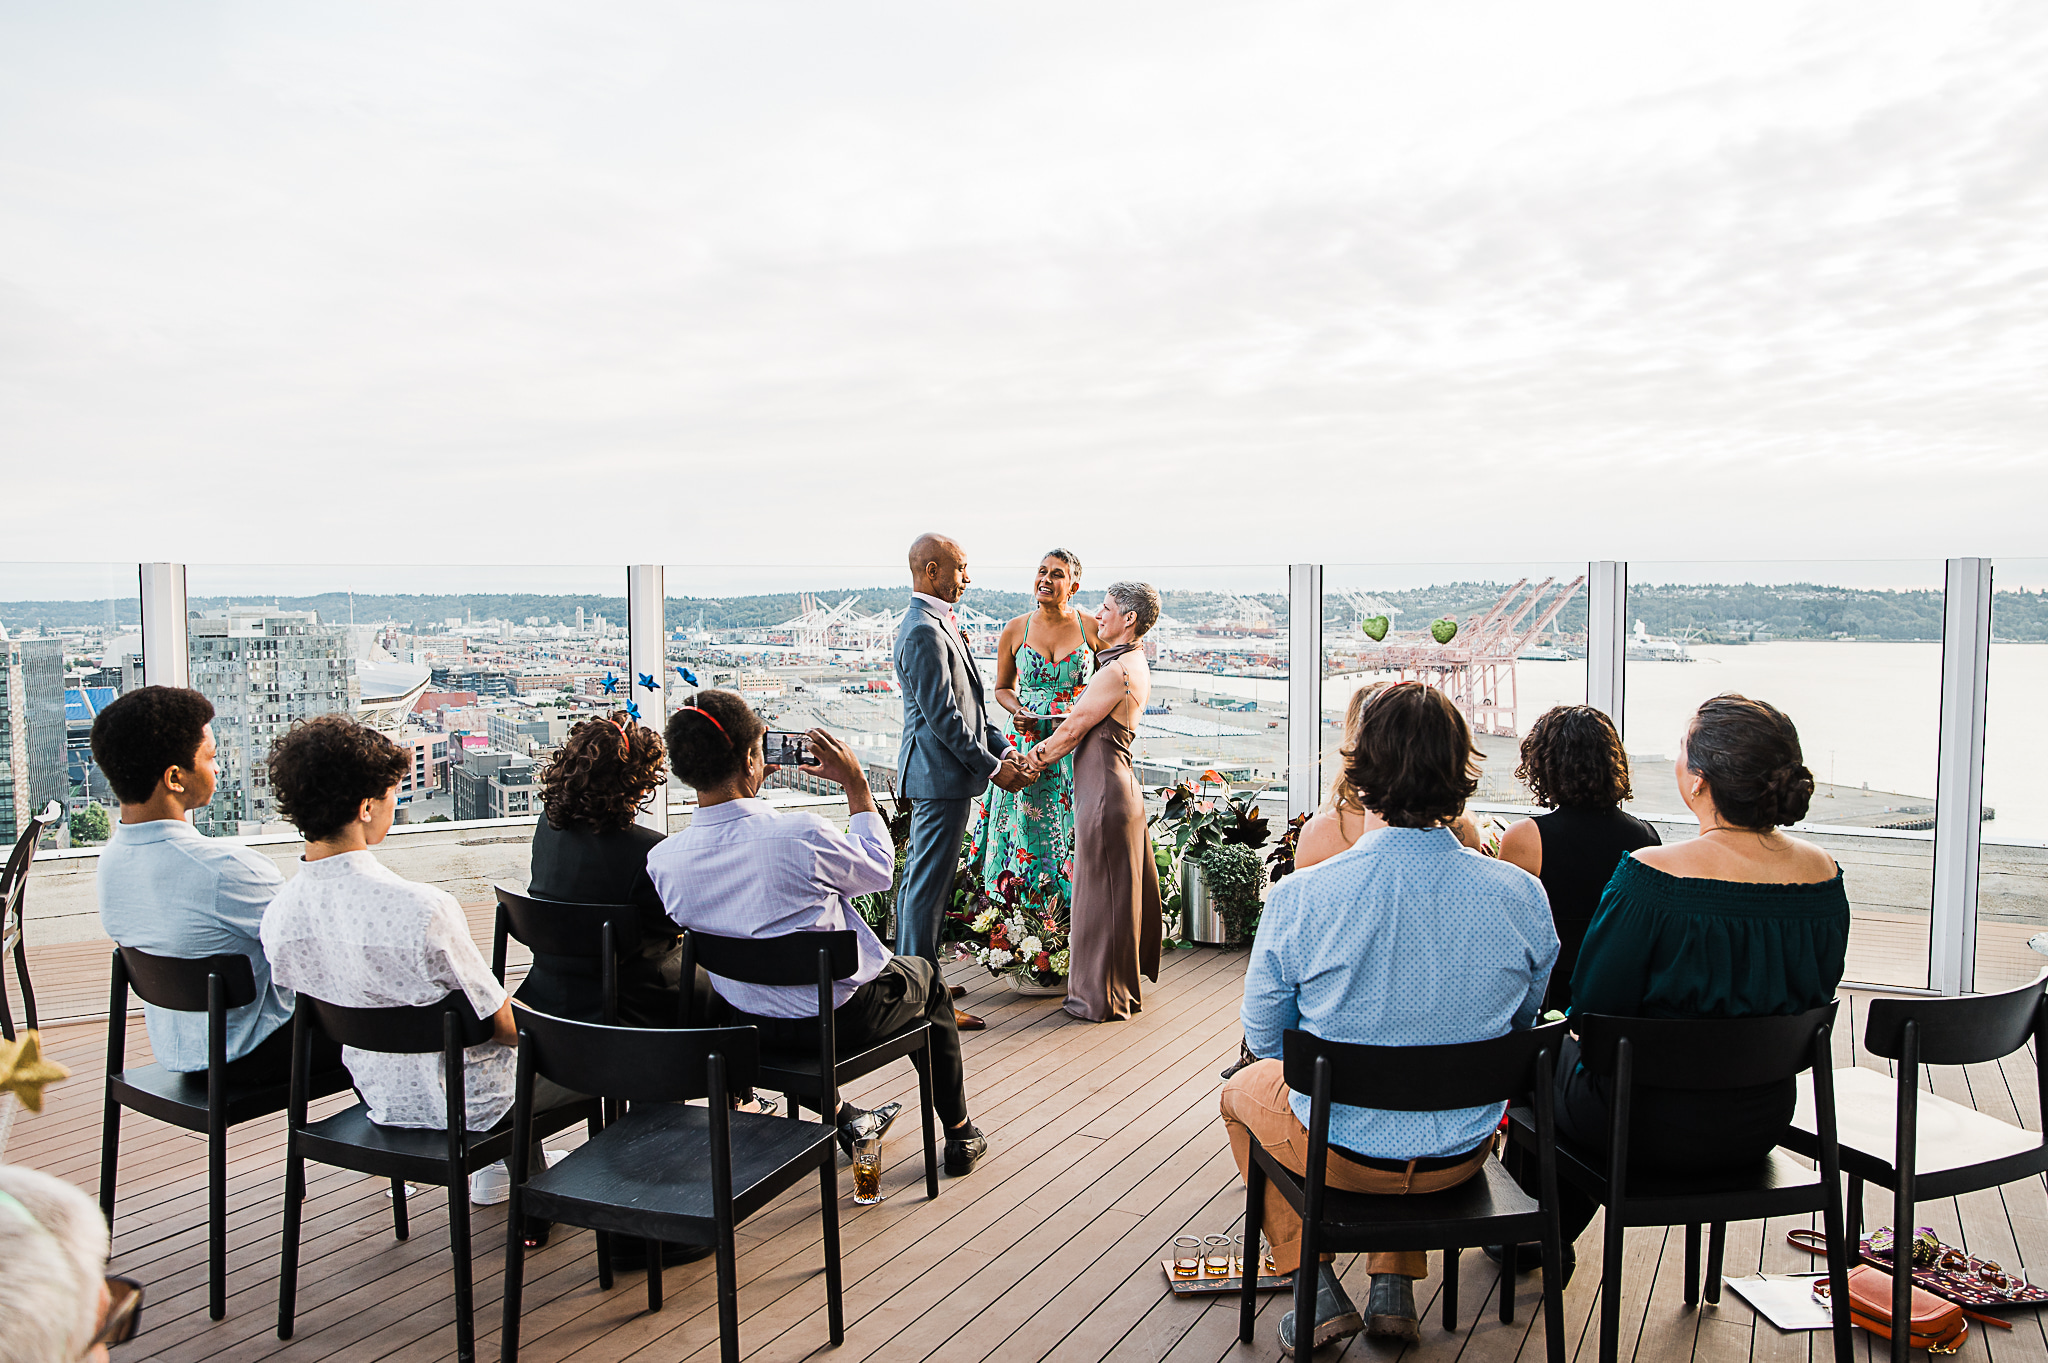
point(1025, 840)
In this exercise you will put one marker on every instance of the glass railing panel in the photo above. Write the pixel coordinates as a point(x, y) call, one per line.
point(2012, 868)
point(70, 641)
point(1518, 648)
point(1851, 651)
point(479, 670)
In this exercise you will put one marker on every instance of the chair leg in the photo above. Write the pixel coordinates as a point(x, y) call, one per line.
point(217, 1219)
point(6, 1013)
point(1305, 1285)
point(1692, 1265)
point(922, 1061)
point(294, 1208)
point(1717, 1244)
point(1553, 1290)
point(401, 1220)
point(1450, 1294)
point(653, 1251)
point(729, 1296)
point(110, 1156)
point(1254, 1214)
point(828, 1214)
point(515, 1279)
point(458, 1242)
point(1854, 1208)
point(1610, 1289)
point(1512, 1261)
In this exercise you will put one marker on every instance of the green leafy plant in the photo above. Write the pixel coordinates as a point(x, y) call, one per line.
point(1194, 824)
point(1281, 858)
point(875, 909)
point(90, 824)
point(1234, 876)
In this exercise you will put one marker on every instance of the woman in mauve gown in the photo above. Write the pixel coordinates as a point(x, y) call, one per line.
point(1115, 927)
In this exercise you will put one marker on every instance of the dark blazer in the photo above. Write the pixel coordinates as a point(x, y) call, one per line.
point(579, 867)
point(950, 747)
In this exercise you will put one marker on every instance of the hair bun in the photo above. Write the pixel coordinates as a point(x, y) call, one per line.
point(1790, 789)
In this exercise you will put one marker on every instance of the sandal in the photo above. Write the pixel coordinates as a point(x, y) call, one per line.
point(536, 1233)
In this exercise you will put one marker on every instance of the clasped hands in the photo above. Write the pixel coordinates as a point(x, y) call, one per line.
point(1018, 770)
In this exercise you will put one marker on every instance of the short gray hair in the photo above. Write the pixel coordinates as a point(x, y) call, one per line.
point(1068, 557)
point(49, 1301)
point(1139, 598)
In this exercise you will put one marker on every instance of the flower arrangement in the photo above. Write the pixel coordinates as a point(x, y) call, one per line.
point(1196, 823)
point(1019, 937)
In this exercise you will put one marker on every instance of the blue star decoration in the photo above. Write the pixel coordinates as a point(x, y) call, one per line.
point(611, 685)
point(648, 682)
point(633, 709)
point(689, 677)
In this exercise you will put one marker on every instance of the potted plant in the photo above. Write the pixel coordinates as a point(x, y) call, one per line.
point(1234, 878)
point(1195, 821)
point(1023, 941)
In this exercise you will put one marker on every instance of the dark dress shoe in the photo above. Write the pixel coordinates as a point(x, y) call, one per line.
point(1336, 1317)
point(967, 1022)
point(860, 1124)
point(963, 1151)
point(1390, 1309)
point(954, 991)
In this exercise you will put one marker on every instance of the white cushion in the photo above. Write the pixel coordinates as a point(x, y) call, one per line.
point(1949, 1135)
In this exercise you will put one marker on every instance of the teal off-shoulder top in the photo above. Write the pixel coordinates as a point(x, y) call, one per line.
point(1676, 947)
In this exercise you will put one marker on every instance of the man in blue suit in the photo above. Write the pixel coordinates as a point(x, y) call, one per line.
point(951, 750)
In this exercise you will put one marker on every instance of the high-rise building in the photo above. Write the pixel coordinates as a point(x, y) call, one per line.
point(263, 669)
point(495, 785)
point(32, 770)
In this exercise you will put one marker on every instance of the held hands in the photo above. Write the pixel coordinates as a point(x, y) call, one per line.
point(1014, 775)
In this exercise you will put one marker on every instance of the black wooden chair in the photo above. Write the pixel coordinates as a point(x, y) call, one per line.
point(666, 1170)
point(1712, 1054)
point(13, 889)
point(350, 1140)
point(1487, 1209)
point(1922, 1147)
point(801, 958)
point(202, 1101)
point(599, 933)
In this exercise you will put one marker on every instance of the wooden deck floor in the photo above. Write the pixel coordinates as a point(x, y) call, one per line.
point(1104, 1145)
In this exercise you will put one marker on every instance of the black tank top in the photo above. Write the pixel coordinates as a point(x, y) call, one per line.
point(1581, 848)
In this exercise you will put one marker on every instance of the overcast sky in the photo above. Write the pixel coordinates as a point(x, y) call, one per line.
point(1174, 283)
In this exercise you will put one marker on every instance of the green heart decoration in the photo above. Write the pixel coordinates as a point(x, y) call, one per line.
point(1375, 628)
point(1444, 630)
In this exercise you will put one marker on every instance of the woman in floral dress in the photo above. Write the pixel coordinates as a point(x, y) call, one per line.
point(1026, 837)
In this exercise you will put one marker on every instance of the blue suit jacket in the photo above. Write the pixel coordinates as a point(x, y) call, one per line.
point(950, 749)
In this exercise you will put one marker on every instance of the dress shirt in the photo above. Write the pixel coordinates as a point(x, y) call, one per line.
point(1407, 939)
point(168, 889)
point(744, 869)
point(351, 932)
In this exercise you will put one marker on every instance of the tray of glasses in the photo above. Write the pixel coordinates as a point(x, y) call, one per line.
point(1207, 1266)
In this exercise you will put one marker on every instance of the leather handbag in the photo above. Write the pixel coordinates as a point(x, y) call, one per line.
point(1937, 1326)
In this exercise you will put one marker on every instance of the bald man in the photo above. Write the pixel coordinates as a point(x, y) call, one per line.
point(951, 750)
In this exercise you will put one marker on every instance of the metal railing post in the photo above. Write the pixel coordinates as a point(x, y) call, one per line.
point(646, 639)
point(1304, 687)
point(1959, 775)
point(1607, 638)
point(166, 646)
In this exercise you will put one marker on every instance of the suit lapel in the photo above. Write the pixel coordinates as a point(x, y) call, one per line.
point(958, 644)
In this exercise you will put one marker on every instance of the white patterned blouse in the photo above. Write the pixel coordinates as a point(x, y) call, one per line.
point(349, 931)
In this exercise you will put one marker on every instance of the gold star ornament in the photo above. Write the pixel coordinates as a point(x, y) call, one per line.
point(24, 1072)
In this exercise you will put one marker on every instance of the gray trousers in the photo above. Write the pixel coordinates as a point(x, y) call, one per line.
point(936, 828)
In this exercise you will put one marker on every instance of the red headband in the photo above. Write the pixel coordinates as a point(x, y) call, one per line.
point(691, 709)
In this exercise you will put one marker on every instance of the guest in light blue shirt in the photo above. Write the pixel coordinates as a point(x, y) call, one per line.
point(166, 889)
point(1408, 938)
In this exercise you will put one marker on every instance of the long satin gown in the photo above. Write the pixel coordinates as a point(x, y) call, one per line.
point(1115, 932)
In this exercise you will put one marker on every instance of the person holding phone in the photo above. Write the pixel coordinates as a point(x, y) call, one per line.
point(745, 869)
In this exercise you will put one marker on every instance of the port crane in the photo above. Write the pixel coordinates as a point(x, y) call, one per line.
point(1477, 668)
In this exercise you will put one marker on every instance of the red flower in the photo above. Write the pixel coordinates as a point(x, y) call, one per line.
point(1044, 962)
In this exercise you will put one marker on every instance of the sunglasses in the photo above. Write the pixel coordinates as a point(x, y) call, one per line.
point(124, 1311)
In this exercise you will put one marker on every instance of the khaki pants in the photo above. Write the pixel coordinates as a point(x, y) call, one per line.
point(1255, 1108)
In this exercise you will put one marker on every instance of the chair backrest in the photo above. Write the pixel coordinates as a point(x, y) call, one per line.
point(1961, 1031)
point(791, 959)
point(1703, 1053)
point(563, 929)
point(397, 1030)
point(1421, 1078)
point(636, 1064)
point(179, 984)
point(14, 880)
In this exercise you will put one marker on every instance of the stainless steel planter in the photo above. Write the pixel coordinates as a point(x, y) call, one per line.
point(1199, 919)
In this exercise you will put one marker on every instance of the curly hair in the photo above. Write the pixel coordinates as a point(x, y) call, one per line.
point(1342, 796)
point(1573, 757)
point(1413, 762)
point(325, 767)
point(143, 734)
point(706, 752)
point(601, 776)
point(1747, 751)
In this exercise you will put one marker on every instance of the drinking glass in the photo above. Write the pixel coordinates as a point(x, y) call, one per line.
point(867, 1173)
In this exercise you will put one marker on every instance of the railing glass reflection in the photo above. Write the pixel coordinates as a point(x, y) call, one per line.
point(2012, 866)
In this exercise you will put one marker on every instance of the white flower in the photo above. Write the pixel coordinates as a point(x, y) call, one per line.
point(998, 959)
point(1060, 961)
point(986, 921)
point(1030, 946)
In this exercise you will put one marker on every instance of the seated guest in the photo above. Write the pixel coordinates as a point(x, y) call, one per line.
point(1342, 820)
point(741, 869)
point(54, 1297)
point(1575, 766)
point(167, 889)
point(1744, 920)
point(350, 932)
point(1407, 939)
point(588, 850)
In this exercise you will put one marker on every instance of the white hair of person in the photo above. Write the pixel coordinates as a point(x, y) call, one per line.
point(1136, 598)
point(49, 1302)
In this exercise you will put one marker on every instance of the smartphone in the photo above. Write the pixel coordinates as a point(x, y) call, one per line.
point(787, 748)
